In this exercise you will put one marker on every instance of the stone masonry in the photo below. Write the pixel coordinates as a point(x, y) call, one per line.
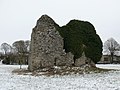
point(46, 48)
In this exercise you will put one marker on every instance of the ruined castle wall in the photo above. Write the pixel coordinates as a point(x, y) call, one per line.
point(46, 48)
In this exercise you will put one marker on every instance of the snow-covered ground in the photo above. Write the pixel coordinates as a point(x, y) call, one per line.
point(99, 81)
point(109, 66)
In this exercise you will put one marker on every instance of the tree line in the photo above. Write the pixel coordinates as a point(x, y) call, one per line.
point(17, 53)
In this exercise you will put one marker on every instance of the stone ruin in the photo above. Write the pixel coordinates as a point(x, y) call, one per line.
point(46, 48)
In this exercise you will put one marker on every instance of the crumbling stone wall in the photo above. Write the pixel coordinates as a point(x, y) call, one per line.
point(46, 48)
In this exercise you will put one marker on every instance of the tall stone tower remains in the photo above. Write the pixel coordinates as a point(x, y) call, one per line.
point(46, 48)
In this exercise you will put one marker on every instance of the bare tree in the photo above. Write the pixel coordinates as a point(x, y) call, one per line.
point(7, 52)
point(22, 50)
point(19, 47)
point(110, 47)
point(6, 48)
point(27, 47)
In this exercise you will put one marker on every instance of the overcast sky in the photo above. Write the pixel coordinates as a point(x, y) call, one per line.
point(18, 17)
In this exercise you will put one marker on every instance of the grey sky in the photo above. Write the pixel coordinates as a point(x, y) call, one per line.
point(18, 17)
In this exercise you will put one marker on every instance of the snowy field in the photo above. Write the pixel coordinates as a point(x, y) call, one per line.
point(100, 81)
